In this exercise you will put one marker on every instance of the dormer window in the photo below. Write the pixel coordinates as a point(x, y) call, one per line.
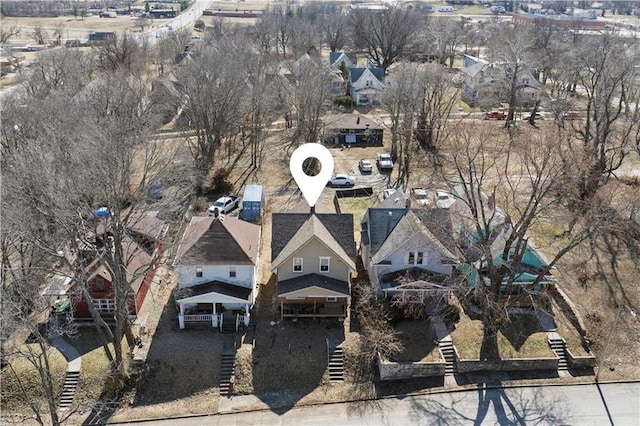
point(199, 271)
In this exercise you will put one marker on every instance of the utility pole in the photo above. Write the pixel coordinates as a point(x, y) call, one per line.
point(611, 332)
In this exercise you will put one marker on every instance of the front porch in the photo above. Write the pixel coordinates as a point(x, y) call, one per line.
point(314, 307)
point(216, 303)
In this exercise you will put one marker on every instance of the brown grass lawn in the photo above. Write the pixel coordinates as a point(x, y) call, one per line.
point(22, 373)
point(417, 338)
point(518, 339)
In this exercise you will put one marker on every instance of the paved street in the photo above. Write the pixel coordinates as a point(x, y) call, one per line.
point(606, 404)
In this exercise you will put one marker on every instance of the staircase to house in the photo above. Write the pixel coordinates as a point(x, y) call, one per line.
point(558, 346)
point(336, 365)
point(69, 389)
point(228, 324)
point(227, 370)
point(446, 347)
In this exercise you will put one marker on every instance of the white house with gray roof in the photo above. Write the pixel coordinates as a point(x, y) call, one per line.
point(400, 250)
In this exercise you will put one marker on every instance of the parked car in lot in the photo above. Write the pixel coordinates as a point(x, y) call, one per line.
point(384, 162)
point(365, 166)
point(342, 180)
point(388, 193)
point(495, 115)
point(224, 205)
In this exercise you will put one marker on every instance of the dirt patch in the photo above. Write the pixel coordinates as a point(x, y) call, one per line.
point(419, 342)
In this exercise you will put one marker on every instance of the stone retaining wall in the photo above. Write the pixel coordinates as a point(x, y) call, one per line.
point(513, 364)
point(580, 361)
point(409, 370)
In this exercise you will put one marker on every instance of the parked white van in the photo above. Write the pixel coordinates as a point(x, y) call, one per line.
point(445, 9)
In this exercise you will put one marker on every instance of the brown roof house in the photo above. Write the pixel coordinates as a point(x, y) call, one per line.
point(217, 263)
point(313, 257)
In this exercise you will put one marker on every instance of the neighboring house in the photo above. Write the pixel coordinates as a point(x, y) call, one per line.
point(488, 83)
point(313, 258)
point(401, 252)
point(352, 129)
point(143, 244)
point(338, 60)
point(365, 85)
point(217, 270)
point(533, 261)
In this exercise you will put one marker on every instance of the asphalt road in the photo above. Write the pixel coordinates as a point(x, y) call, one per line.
point(605, 404)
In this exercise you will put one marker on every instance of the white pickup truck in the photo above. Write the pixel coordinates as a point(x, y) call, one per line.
point(224, 205)
point(384, 162)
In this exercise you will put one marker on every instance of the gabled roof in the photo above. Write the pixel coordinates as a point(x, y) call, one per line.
point(219, 241)
point(356, 72)
point(382, 221)
point(351, 58)
point(475, 69)
point(407, 227)
point(312, 280)
point(291, 231)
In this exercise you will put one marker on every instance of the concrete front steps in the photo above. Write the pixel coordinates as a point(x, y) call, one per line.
point(446, 347)
point(336, 365)
point(69, 387)
point(558, 345)
point(227, 370)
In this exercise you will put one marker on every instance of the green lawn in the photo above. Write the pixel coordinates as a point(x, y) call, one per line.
point(357, 206)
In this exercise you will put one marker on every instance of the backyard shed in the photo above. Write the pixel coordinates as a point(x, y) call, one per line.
point(251, 202)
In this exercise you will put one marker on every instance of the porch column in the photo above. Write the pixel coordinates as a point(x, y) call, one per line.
point(181, 317)
point(246, 315)
point(214, 317)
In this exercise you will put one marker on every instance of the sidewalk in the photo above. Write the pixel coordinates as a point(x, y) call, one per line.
point(71, 354)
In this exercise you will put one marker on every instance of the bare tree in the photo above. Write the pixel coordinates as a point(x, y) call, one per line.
point(385, 37)
point(214, 88)
point(605, 72)
point(503, 191)
point(39, 34)
point(444, 36)
point(8, 31)
point(310, 94)
point(334, 30)
point(438, 96)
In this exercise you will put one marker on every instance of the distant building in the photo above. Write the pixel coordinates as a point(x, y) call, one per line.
point(162, 13)
point(97, 37)
point(560, 21)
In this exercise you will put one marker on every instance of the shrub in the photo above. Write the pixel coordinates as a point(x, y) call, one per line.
point(451, 314)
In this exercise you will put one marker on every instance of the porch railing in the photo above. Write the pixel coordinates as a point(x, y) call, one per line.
point(198, 318)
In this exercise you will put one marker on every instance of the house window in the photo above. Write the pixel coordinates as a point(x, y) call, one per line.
point(104, 305)
point(297, 264)
point(199, 271)
point(332, 299)
point(99, 283)
point(416, 258)
point(232, 271)
point(325, 263)
point(511, 254)
point(369, 83)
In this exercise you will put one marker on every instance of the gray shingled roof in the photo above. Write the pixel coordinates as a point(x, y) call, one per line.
point(219, 287)
point(382, 221)
point(312, 280)
point(286, 225)
point(408, 226)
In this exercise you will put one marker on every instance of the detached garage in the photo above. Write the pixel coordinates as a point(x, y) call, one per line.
point(352, 129)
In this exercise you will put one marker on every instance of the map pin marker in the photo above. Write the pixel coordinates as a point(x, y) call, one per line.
point(311, 186)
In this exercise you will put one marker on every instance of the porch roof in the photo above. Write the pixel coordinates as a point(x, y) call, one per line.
point(215, 291)
point(414, 279)
point(312, 280)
